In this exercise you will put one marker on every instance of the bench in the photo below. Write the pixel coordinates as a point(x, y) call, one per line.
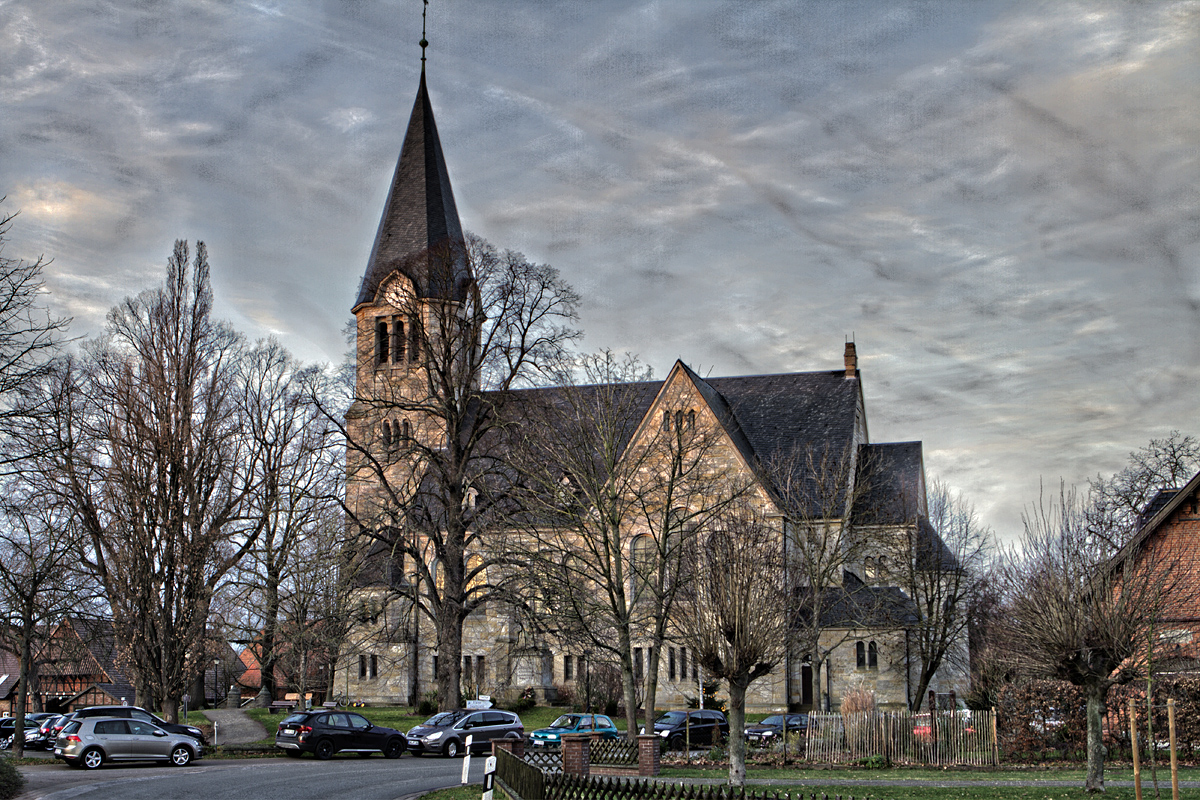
point(329, 704)
point(281, 705)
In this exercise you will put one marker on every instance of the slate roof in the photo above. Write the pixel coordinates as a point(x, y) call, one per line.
point(855, 604)
point(892, 476)
point(419, 230)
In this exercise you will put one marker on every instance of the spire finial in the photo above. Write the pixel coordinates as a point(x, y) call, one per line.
point(424, 42)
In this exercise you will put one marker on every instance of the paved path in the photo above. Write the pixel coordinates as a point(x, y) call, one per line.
point(235, 727)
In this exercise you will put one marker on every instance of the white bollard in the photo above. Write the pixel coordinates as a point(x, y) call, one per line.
point(467, 758)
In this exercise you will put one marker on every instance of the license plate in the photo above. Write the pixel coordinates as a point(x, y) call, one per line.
point(289, 731)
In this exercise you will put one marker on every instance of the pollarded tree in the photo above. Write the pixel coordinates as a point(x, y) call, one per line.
point(733, 611)
point(145, 447)
point(426, 469)
point(1082, 612)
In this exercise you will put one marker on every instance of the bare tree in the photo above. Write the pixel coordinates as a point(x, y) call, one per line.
point(1115, 505)
point(733, 614)
point(29, 339)
point(817, 490)
point(299, 483)
point(146, 449)
point(941, 570)
point(425, 470)
point(608, 507)
point(1080, 611)
point(39, 583)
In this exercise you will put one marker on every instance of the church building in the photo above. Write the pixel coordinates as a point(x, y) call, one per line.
point(419, 265)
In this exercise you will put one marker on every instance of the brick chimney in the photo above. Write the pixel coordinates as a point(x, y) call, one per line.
point(851, 360)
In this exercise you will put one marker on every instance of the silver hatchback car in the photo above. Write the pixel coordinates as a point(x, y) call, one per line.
point(90, 742)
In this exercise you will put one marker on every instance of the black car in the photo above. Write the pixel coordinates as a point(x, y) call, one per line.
point(8, 729)
point(697, 727)
point(769, 730)
point(446, 733)
point(328, 731)
point(133, 712)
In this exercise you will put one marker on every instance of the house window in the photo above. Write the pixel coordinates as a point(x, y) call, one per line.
point(479, 670)
point(860, 651)
point(362, 666)
point(872, 656)
point(405, 430)
point(691, 420)
point(414, 339)
point(671, 664)
point(679, 421)
point(374, 666)
point(566, 668)
point(869, 568)
point(695, 671)
point(637, 664)
point(683, 663)
point(387, 434)
point(381, 342)
point(666, 421)
point(435, 666)
point(466, 672)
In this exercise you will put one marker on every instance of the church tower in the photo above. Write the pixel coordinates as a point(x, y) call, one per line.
point(412, 308)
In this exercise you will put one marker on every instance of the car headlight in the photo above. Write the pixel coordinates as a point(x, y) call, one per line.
point(195, 731)
point(663, 733)
point(433, 737)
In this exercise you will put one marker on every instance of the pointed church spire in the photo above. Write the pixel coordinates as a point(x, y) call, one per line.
point(419, 232)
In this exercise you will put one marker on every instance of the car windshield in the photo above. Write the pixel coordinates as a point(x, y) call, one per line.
point(445, 718)
point(671, 717)
point(776, 720)
point(565, 721)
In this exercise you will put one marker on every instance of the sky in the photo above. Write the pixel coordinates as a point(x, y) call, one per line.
point(998, 201)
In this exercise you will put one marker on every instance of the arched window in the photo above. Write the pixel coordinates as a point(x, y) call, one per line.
point(869, 568)
point(872, 656)
point(860, 653)
point(666, 421)
point(679, 421)
point(405, 429)
point(691, 420)
point(381, 342)
point(642, 557)
point(881, 566)
point(398, 342)
point(414, 339)
point(387, 434)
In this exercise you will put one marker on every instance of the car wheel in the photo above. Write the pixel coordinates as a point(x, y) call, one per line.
point(394, 748)
point(181, 756)
point(292, 753)
point(91, 759)
point(451, 749)
point(675, 742)
point(5, 742)
point(324, 750)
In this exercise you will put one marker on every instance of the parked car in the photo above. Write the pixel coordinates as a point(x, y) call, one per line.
point(134, 712)
point(8, 729)
point(327, 731)
point(573, 723)
point(697, 727)
point(92, 741)
point(36, 739)
point(447, 732)
point(770, 729)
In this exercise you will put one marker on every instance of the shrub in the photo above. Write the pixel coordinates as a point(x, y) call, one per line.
point(858, 701)
point(428, 704)
point(12, 782)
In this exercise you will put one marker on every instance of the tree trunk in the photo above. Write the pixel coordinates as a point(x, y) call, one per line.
point(627, 686)
point(449, 672)
point(817, 692)
point(652, 679)
point(1095, 739)
point(737, 739)
point(18, 740)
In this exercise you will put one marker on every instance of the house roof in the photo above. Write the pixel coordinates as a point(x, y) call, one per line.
point(892, 477)
point(856, 604)
point(419, 232)
point(10, 672)
point(1166, 502)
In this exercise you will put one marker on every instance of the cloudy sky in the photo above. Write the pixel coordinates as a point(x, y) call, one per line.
point(998, 201)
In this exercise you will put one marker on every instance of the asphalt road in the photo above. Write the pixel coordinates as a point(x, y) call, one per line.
point(374, 778)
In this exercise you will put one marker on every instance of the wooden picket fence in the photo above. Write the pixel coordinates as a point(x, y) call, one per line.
point(950, 738)
point(573, 787)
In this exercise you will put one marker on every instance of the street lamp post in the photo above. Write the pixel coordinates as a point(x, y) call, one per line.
point(216, 682)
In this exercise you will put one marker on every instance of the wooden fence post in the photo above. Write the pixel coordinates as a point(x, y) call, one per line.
point(1133, 741)
point(1174, 756)
point(995, 740)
